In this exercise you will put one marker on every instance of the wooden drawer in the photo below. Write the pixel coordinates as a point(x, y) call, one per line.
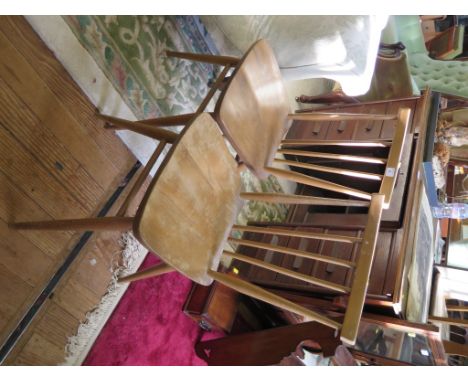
point(357, 130)
point(213, 307)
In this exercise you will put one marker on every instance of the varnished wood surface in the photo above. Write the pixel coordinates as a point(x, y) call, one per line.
point(286, 272)
point(448, 320)
point(265, 347)
point(362, 273)
point(79, 291)
point(192, 202)
point(254, 108)
point(56, 162)
point(322, 142)
point(150, 131)
point(455, 348)
point(318, 116)
point(330, 170)
point(106, 223)
point(154, 271)
point(419, 126)
point(390, 263)
point(262, 294)
point(395, 154)
point(141, 178)
point(301, 199)
point(317, 182)
point(298, 233)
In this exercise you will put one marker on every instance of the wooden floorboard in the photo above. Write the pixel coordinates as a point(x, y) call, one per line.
point(17, 205)
point(72, 297)
point(52, 74)
point(56, 161)
point(53, 155)
point(51, 111)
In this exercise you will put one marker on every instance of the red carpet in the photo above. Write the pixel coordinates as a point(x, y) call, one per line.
point(148, 326)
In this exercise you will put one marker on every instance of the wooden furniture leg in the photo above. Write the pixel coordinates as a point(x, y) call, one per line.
point(115, 223)
point(157, 270)
point(139, 127)
point(219, 60)
point(139, 182)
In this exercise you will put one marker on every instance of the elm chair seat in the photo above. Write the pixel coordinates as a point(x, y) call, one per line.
point(192, 202)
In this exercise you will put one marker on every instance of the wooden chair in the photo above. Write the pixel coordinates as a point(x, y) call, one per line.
point(189, 210)
point(253, 113)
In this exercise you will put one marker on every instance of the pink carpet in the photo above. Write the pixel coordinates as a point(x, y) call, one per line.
point(148, 326)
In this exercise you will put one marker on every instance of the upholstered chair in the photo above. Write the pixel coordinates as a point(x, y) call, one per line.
point(448, 77)
point(340, 48)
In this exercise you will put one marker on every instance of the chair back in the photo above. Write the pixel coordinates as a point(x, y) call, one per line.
point(332, 169)
point(252, 111)
point(360, 269)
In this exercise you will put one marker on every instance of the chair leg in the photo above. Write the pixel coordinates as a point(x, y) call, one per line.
point(215, 87)
point(211, 59)
point(258, 293)
point(157, 270)
point(113, 223)
point(140, 128)
point(141, 179)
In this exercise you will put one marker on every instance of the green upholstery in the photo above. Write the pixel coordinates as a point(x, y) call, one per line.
point(449, 77)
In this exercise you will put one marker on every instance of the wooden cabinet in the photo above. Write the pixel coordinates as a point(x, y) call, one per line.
point(388, 272)
point(381, 340)
point(362, 130)
point(213, 307)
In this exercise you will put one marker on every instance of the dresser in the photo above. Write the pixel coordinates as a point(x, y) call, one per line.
point(387, 284)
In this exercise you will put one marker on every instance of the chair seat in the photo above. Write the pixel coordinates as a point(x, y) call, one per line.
point(253, 111)
point(192, 203)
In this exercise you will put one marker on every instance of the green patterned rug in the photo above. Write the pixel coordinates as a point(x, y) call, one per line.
point(130, 52)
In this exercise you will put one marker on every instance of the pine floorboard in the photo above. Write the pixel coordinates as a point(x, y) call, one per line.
point(56, 162)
